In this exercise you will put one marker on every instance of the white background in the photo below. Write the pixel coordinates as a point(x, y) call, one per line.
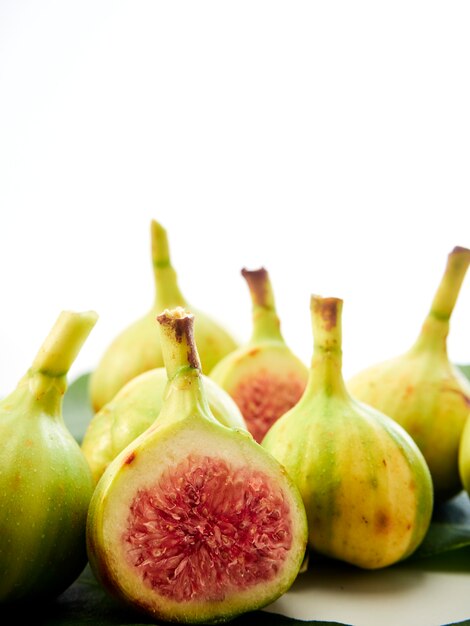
point(329, 142)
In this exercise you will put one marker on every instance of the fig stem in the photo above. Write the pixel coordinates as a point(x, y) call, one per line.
point(447, 293)
point(63, 343)
point(177, 341)
point(185, 395)
point(325, 374)
point(266, 323)
point(434, 331)
point(167, 291)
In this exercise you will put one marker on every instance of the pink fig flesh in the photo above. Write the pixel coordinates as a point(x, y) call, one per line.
point(206, 529)
point(265, 397)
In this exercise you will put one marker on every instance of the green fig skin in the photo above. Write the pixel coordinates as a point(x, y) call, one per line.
point(422, 390)
point(264, 377)
point(365, 485)
point(45, 481)
point(185, 429)
point(464, 456)
point(134, 409)
point(137, 348)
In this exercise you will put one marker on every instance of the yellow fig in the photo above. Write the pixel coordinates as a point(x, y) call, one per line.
point(137, 348)
point(365, 485)
point(422, 390)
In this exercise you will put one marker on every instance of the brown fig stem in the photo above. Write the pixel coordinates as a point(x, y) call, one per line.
point(433, 334)
point(266, 323)
point(177, 341)
point(167, 291)
point(326, 367)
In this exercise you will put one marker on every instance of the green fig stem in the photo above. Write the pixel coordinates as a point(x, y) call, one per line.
point(167, 291)
point(47, 374)
point(177, 341)
point(435, 329)
point(266, 324)
point(325, 374)
point(63, 343)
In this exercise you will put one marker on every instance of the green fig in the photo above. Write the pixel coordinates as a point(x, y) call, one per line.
point(193, 521)
point(137, 348)
point(365, 484)
point(264, 377)
point(45, 482)
point(134, 408)
point(422, 390)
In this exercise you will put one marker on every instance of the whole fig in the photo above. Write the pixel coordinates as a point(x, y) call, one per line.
point(45, 482)
point(137, 348)
point(422, 390)
point(366, 487)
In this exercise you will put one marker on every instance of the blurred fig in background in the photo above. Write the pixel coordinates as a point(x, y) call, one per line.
point(137, 348)
point(422, 390)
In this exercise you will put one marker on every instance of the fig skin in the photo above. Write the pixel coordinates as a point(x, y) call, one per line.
point(422, 390)
point(366, 487)
point(45, 481)
point(137, 348)
point(464, 456)
point(134, 409)
point(264, 377)
point(186, 429)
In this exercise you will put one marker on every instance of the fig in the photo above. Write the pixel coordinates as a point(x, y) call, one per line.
point(422, 390)
point(264, 377)
point(137, 348)
point(134, 408)
point(366, 487)
point(45, 482)
point(193, 521)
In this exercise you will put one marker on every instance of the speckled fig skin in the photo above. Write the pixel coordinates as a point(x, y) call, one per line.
point(134, 408)
point(194, 522)
point(264, 377)
point(45, 482)
point(421, 389)
point(366, 487)
point(137, 348)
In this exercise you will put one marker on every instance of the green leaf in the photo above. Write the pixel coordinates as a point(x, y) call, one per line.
point(465, 369)
point(449, 529)
point(77, 409)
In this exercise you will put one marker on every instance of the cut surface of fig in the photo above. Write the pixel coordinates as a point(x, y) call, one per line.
point(206, 533)
point(263, 396)
point(232, 531)
point(194, 521)
point(264, 377)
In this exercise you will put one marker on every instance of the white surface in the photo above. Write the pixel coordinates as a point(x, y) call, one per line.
point(326, 141)
point(417, 594)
